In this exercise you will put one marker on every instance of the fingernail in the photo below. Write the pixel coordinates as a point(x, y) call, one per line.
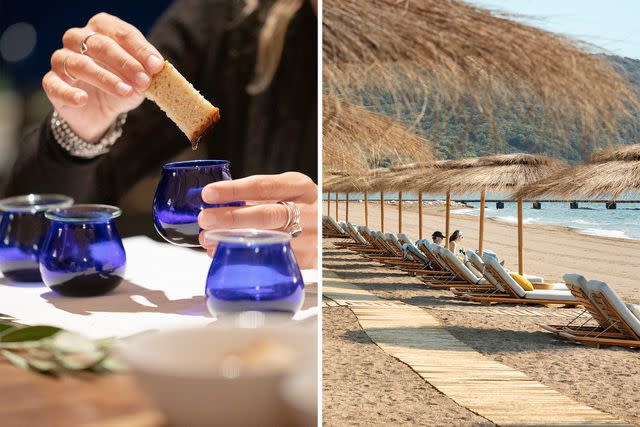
point(154, 63)
point(142, 80)
point(206, 221)
point(209, 195)
point(208, 240)
point(123, 88)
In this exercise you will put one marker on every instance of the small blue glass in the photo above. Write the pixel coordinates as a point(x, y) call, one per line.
point(177, 202)
point(253, 270)
point(22, 231)
point(83, 254)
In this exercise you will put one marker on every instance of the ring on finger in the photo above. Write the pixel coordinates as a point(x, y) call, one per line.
point(66, 71)
point(293, 219)
point(84, 47)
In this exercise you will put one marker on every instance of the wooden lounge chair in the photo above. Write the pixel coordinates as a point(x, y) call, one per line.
point(440, 277)
point(330, 228)
point(618, 323)
point(514, 293)
point(472, 283)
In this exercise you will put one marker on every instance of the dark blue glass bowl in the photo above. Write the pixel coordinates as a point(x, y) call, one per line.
point(22, 231)
point(83, 254)
point(253, 270)
point(177, 202)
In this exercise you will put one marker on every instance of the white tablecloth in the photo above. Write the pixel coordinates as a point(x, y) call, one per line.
point(164, 288)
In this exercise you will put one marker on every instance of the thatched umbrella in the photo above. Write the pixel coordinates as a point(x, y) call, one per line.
point(609, 174)
point(394, 180)
point(354, 137)
point(501, 174)
point(454, 51)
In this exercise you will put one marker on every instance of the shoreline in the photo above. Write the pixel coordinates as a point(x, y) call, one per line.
point(550, 251)
point(437, 207)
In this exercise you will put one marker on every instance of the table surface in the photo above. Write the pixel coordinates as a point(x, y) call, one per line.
point(83, 399)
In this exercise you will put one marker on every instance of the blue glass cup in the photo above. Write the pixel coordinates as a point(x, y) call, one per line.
point(253, 270)
point(22, 232)
point(83, 253)
point(178, 202)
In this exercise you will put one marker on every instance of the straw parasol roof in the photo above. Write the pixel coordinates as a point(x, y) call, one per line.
point(611, 173)
point(503, 173)
point(354, 136)
point(451, 49)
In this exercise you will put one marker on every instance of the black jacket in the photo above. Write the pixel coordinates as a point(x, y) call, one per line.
point(275, 131)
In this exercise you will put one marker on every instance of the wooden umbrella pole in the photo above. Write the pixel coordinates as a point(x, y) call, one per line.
point(400, 212)
point(520, 243)
point(481, 233)
point(336, 205)
point(366, 209)
point(448, 217)
point(420, 216)
point(346, 215)
point(329, 203)
point(382, 211)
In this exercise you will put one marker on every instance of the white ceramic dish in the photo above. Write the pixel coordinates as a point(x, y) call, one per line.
point(182, 373)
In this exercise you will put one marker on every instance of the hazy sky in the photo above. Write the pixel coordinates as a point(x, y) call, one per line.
point(614, 25)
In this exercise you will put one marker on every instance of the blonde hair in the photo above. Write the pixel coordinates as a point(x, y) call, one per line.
point(271, 41)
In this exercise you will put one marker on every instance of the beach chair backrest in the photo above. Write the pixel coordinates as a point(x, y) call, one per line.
point(416, 253)
point(476, 262)
point(381, 242)
point(457, 267)
point(334, 226)
point(578, 286)
point(403, 239)
point(354, 234)
point(610, 304)
point(494, 269)
point(426, 247)
point(393, 242)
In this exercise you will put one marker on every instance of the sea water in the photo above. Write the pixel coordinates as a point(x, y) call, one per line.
point(590, 218)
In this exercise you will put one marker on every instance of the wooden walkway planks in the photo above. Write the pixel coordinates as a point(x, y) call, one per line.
point(491, 389)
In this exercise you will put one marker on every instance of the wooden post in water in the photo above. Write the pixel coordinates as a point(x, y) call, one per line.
point(336, 206)
point(481, 232)
point(420, 216)
point(366, 209)
point(400, 212)
point(520, 243)
point(347, 208)
point(448, 219)
point(382, 211)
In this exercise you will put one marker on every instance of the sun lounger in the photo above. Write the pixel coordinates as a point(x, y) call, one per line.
point(330, 228)
point(514, 293)
point(618, 323)
point(356, 239)
point(472, 283)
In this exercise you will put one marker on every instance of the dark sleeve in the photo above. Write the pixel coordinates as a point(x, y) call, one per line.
point(183, 34)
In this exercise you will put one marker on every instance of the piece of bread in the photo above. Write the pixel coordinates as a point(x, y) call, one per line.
point(182, 102)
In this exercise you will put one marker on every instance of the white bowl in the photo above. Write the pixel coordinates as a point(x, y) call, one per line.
point(182, 372)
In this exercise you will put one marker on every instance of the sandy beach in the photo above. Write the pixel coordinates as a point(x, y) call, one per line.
point(363, 384)
point(549, 251)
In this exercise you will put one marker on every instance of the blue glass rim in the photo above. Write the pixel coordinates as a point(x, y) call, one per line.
point(35, 203)
point(248, 235)
point(190, 164)
point(84, 213)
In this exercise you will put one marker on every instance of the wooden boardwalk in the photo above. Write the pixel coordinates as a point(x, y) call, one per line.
point(491, 389)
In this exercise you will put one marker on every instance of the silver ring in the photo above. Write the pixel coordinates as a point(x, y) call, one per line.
point(64, 67)
point(84, 47)
point(293, 219)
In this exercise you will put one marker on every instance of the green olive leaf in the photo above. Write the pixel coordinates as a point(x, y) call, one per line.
point(42, 366)
point(6, 326)
point(69, 342)
point(28, 333)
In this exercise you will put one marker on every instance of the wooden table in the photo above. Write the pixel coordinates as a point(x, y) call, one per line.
point(88, 400)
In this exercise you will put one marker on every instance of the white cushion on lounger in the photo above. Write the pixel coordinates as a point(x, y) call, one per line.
point(550, 295)
point(492, 261)
point(534, 279)
point(616, 303)
point(460, 267)
point(635, 309)
point(402, 238)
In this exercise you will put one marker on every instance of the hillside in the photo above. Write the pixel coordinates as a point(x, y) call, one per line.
point(469, 133)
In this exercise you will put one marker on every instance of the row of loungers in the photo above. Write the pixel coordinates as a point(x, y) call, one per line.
point(484, 280)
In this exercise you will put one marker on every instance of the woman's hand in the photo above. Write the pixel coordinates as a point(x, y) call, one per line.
point(264, 191)
point(104, 82)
